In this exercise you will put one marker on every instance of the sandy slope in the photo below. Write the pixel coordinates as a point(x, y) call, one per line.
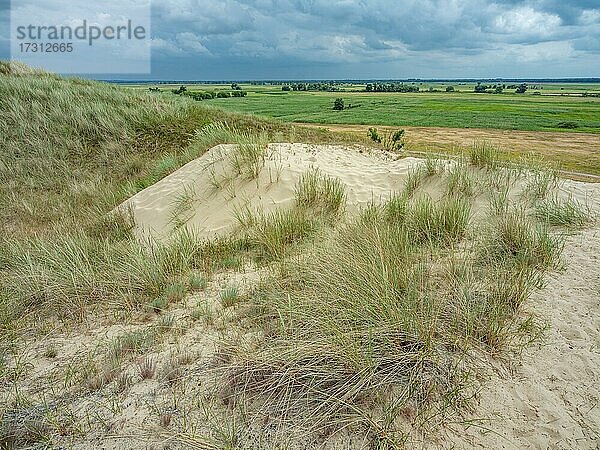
point(367, 176)
point(552, 400)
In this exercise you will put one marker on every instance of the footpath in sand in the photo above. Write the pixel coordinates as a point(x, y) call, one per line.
point(552, 397)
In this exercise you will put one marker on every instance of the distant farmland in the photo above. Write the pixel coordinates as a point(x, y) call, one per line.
point(544, 107)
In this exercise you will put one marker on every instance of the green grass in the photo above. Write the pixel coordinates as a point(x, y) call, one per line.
point(563, 212)
point(460, 110)
point(317, 191)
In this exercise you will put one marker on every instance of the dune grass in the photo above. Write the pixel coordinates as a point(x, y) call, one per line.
point(72, 150)
point(373, 329)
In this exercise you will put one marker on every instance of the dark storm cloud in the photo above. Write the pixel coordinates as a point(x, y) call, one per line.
point(378, 38)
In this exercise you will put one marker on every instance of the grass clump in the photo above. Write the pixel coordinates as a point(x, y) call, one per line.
point(442, 223)
point(415, 177)
point(271, 235)
point(317, 191)
point(230, 296)
point(562, 212)
point(197, 282)
point(460, 181)
point(515, 239)
point(484, 155)
point(132, 343)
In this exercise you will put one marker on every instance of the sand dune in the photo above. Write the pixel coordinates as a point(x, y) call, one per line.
point(367, 177)
point(549, 399)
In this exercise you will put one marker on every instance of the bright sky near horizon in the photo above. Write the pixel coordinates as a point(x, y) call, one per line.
point(315, 39)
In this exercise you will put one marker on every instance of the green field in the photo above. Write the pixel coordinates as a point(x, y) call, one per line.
point(462, 110)
point(544, 109)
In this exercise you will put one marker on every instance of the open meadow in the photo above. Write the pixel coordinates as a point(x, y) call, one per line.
point(559, 121)
point(178, 274)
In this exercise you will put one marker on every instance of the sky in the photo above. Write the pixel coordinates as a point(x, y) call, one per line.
point(359, 39)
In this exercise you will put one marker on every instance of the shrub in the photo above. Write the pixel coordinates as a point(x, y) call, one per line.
point(338, 104)
point(374, 135)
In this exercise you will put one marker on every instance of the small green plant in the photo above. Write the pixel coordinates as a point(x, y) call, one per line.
point(393, 141)
point(197, 282)
point(133, 342)
point(159, 304)
point(540, 183)
point(230, 296)
point(433, 166)
point(182, 210)
point(174, 292)
point(562, 212)
point(146, 367)
point(374, 135)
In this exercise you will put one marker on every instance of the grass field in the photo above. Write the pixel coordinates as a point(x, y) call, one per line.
point(546, 109)
point(461, 110)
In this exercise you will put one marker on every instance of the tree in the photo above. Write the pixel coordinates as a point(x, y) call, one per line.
point(521, 88)
point(480, 88)
point(450, 89)
point(180, 90)
point(285, 88)
point(338, 104)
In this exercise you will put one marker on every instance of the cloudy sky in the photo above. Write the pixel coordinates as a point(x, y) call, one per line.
point(308, 39)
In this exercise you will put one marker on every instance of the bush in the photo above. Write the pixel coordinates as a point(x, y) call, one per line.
point(338, 104)
point(374, 135)
point(521, 88)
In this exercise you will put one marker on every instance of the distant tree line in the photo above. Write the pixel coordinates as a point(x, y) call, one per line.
point(391, 87)
point(206, 95)
point(324, 87)
point(498, 88)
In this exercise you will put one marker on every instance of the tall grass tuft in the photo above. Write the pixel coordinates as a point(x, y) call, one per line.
point(270, 236)
point(484, 155)
point(562, 212)
point(317, 191)
point(460, 181)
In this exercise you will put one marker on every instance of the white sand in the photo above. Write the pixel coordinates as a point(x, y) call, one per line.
point(551, 400)
point(367, 177)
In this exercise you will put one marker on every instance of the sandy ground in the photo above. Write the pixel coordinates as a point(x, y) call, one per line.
point(552, 400)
